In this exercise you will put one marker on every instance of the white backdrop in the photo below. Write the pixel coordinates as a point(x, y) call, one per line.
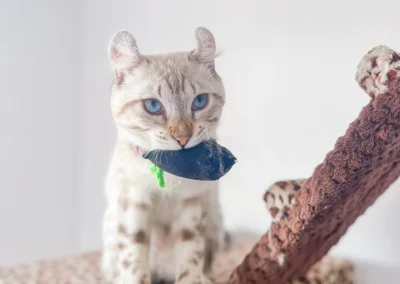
point(40, 118)
point(289, 69)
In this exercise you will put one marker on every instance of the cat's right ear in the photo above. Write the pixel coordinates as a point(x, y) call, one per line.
point(205, 50)
point(123, 52)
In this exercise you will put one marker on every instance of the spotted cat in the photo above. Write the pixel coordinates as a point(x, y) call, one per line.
point(166, 102)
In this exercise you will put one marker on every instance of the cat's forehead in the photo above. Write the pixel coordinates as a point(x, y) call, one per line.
point(176, 61)
point(172, 66)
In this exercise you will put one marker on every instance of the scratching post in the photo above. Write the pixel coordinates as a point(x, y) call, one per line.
point(362, 165)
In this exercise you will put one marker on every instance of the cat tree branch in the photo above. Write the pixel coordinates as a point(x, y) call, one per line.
point(362, 165)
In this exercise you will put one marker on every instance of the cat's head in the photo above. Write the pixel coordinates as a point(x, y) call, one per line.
point(166, 101)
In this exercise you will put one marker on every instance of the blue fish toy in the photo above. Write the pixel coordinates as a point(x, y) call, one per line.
point(205, 161)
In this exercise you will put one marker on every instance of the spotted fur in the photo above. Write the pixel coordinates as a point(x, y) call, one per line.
point(280, 197)
point(379, 66)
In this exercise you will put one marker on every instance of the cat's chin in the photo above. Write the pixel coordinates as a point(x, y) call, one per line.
point(176, 147)
point(194, 141)
point(169, 147)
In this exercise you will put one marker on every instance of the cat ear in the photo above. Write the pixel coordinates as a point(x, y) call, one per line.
point(205, 51)
point(123, 51)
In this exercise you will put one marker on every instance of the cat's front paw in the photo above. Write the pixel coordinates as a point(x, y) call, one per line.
point(279, 198)
point(129, 278)
point(108, 268)
point(376, 69)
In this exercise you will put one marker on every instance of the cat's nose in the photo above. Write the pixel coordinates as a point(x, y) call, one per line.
point(182, 140)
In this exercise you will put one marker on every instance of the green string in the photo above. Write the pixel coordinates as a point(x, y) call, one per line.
point(160, 175)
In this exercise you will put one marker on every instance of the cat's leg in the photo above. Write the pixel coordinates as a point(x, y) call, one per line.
point(126, 248)
point(110, 249)
point(162, 256)
point(216, 237)
point(190, 243)
point(279, 197)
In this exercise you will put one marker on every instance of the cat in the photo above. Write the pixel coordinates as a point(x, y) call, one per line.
point(168, 102)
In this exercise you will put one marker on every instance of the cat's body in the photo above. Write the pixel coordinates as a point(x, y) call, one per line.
point(164, 208)
point(158, 102)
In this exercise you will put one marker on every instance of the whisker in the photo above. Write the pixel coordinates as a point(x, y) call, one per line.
point(161, 153)
point(153, 154)
point(157, 152)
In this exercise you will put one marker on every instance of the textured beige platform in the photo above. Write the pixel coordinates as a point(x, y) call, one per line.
point(84, 268)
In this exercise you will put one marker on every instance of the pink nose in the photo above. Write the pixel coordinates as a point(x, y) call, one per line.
point(182, 140)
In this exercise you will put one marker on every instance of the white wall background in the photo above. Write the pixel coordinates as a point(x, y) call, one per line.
point(40, 120)
point(288, 67)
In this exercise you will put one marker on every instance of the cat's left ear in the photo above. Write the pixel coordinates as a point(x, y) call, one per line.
point(205, 51)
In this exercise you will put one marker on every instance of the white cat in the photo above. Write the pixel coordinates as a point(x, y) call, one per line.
point(168, 102)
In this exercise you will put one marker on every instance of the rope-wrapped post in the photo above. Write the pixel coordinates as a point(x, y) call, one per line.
point(362, 165)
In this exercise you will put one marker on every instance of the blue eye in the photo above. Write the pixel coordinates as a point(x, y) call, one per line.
point(200, 102)
point(153, 106)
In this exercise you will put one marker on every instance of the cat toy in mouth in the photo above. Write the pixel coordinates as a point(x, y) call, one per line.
point(205, 161)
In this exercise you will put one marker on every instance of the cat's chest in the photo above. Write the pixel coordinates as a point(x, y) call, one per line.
point(165, 208)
